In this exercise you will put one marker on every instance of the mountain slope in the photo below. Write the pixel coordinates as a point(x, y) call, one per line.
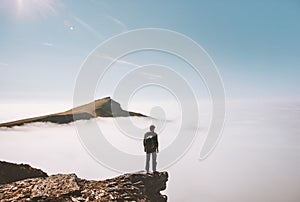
point(105, 107)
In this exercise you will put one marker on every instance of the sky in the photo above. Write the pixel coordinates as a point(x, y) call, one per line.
point(255, 45)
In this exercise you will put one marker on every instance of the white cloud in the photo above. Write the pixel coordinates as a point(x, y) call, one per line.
point(87, 26)
point(47, 44)
point(121, 61)
point(118, 22)
point(267, 150)
point(152, 76)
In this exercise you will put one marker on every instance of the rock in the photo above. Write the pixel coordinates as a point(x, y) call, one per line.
point(152, 184)
point(10, 172)
point(139, 187)
point(55, 186)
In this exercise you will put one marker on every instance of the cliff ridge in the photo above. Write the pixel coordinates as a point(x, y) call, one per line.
point(139, 187)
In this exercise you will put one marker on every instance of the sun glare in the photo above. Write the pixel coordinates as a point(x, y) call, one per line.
point(34, 8)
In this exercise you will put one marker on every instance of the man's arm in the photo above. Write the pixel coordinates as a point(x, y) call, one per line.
point(156, 143)
point(144, 142)
point(145, 135)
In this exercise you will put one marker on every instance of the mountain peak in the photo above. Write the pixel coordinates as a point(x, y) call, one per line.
point(104, 107)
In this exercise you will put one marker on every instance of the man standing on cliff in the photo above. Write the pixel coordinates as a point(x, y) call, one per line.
point(151, 147)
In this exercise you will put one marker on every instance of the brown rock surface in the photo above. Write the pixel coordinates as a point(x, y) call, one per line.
point(10, 172)
point(139, 187)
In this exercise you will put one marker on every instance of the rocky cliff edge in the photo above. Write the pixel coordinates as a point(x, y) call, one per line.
point(139, 187)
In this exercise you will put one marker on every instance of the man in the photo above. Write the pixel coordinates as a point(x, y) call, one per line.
point(151, 147)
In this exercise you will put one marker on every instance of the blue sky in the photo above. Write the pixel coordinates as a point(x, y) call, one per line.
point(255, 44)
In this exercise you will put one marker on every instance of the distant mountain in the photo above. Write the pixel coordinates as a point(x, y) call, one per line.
point(105, 107)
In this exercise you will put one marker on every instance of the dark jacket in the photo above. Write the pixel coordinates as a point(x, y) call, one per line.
point(150, 142)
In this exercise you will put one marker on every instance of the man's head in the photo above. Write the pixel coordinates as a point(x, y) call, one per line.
point(152, 127)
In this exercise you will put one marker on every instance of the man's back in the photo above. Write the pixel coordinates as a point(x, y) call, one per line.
point(150, 142)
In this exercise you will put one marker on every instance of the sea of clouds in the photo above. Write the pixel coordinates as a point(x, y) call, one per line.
point(257, 158)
